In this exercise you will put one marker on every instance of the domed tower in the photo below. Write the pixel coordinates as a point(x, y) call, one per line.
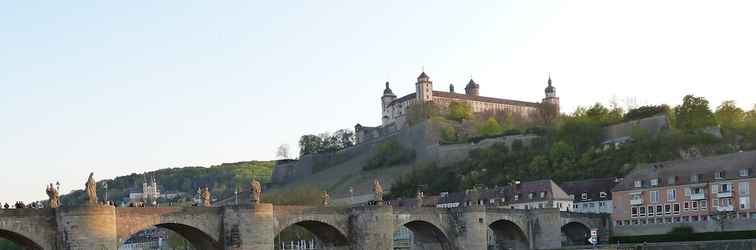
point(551, 94)
point(423, 88)
point(472, 88)
point(386, 99)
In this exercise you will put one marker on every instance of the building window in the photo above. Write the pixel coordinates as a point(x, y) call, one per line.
point(719, 175)
point(694, 178)
point(686, 206)
point(584, 196)
point(543, 195)
point(642, 211)
point(667, 209)
point(659, 210)
point(634, 212)
point(654, 182)
point(743, 188)
point(637, 183)
point(671, 195)
point(602, 194)
point(725, 188)
point(744, 202)
point(654, 196)
point(671, 180)
point(516, 197)
point(650, 210)
point(694, 205)
point(744, 172)
point(703, 205)
point(676, 208)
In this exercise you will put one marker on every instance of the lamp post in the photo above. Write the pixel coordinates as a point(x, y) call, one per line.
point(236, 195)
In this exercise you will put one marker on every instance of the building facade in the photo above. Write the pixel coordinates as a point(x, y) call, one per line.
point(394, 110)
point(708, 194)
point(591, 196)
point(519, 195)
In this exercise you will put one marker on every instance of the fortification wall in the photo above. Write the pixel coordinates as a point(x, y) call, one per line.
point(448, 155)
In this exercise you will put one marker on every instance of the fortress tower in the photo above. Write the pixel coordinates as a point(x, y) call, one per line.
point(386, 99)
point(424, 88)
point(551, 95)
point(472, 88)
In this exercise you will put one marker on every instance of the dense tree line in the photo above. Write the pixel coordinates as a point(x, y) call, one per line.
point(571, 149)
point(326, 142)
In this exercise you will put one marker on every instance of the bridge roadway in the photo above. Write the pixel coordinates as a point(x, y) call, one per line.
point(254, 227)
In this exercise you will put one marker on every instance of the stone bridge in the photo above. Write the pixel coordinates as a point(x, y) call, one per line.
point(256, 227)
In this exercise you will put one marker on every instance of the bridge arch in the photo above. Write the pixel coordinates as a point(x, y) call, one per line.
point(198, 238)
point(326, 233)
point(575, 233)
point(427, 235)
point(506, 234)
point(20, 240)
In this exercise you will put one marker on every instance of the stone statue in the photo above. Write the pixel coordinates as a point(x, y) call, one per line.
point(326, 198)
point(205, 197)
point(255, 191)
point(54, 196)
point(377, 190)
point(91, 189)
point(419, 198)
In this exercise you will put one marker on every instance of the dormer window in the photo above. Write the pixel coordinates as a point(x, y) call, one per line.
point(543, 195)
point(744, 172)
point(584, 196)
point(517, 197)
point(654, 182)
point(637, 183)
point(602, 195)
point(719, 175)
point(572, 197)
point(530, 195)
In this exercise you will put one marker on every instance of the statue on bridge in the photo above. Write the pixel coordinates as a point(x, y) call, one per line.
point(255, 191)
point(377, 190)
point(54, 196)
point(205, 197)
point(419, 198)
point(91, 188)
point(326, 198)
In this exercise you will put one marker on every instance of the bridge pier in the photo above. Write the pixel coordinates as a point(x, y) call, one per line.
point(248, 227)
point(471, 228)
point(372, 228)
point(87, 227)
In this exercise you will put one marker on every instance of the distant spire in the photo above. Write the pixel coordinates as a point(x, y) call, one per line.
point(549, 78)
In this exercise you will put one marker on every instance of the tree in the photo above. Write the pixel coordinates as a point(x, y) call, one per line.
point(310, 144)
point(729, 115)
point(694, 113)
point(547, 113)
point(490, 127)
point(419, 112)
point(459, 111)
point(646, 111)
point(344, 138)
point(283, 151)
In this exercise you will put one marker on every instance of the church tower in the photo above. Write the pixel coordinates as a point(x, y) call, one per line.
point(386, 99)
point(423, 88)
point(551, 95)
point(472, 88)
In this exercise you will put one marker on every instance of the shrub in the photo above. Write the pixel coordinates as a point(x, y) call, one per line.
point(389, 153)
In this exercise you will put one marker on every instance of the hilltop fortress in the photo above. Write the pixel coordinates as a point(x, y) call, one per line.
point(394, 110)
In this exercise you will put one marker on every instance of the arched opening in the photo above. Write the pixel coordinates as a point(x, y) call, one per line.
point(505, 234)
point(311, 235)
point(418, 235)
point(575, 233)
point(12, 240)
point(170, 236)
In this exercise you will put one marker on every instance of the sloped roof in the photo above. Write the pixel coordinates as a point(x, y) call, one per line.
point(553, 192)
point(592, 187)
point(682, 170)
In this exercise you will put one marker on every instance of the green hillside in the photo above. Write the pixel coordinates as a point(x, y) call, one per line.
point(222, 180)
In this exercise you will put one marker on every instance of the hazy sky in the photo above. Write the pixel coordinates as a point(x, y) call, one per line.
point(117, 87)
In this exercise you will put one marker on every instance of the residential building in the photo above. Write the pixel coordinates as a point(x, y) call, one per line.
point(591, 196)
point(520, 195)
point(709, 194)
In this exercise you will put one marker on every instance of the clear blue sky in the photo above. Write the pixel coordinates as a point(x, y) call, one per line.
point(117, 87)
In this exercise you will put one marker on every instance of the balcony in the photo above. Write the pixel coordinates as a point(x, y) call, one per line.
point(725, 208)
point(636, 201)
point(698, 196)
point(724, 195)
